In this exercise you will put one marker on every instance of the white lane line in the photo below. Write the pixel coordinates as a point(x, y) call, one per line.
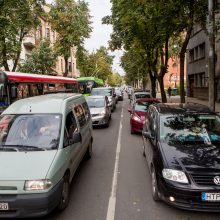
point(112, 198)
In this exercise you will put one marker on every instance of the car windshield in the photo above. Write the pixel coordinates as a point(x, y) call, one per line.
point(105, 92)
point(29, 132)
point(190, 129)
point(95, 103)
point(143, 106)
point(142, 95)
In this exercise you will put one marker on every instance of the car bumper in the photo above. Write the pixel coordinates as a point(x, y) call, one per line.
point(136, 126)
point(99, 120)
point(31, 205)
point(187, 198)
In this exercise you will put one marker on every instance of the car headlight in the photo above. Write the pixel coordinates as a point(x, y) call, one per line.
point(175, 175)
point(102, 113)
point(31, 185)
point(136, 118)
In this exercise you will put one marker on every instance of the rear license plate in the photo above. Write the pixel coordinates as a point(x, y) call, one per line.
point(212, 197)
point(4, 206)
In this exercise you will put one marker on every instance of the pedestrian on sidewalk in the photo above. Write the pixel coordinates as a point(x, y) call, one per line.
point(169, 92)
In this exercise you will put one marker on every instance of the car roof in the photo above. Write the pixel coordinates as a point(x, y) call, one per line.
point(95, 97)
point(102, 88)
point(147, 100)
point(51, 103)
point(178, 108)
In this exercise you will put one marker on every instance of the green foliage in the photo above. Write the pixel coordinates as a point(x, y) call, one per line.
point(41, 61)
point(71, 20)
point(96, 64)
point(17, 18)
point(114, 79)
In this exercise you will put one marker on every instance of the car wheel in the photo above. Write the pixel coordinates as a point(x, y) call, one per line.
point(89, 151)
point(144, 154)
point(110, 117)
point(64, 199)
point(132, 131)
point(107, 123)
point(154, 186)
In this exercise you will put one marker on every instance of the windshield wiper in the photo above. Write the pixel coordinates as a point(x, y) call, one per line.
point(25, 147)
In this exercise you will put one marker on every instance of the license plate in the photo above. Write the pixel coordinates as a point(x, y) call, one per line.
point(4, 206)
point(213, 197)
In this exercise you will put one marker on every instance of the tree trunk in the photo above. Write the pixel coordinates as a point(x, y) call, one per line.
point(162, 91)
point(66, 66)
point(22, 34)
point(4, 54)
point(153, 84)
point(182, 64)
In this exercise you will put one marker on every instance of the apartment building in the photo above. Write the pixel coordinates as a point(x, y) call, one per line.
point(197, 65)
point(31, 40)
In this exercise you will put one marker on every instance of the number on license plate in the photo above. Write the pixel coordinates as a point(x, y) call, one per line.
point(211, 197)
point(3, 206)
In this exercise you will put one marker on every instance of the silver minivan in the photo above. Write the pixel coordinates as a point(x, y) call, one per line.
point(42, 142)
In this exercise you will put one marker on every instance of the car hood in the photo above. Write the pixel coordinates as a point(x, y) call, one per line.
point(94, 111)
point(191, 156)
point(25, 165)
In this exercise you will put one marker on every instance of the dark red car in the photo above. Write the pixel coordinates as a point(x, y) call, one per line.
point(138, 113)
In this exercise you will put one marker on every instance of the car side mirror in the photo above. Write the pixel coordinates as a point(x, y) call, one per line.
point(129, 110)
point(147, 134)
point(114, 95)
point(76, 138)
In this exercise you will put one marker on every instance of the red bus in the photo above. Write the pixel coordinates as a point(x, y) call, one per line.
point(15, 85)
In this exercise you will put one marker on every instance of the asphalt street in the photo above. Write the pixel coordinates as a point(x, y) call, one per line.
point(115, 184)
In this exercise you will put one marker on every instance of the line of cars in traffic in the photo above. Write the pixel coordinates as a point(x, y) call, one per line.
point(42, 147)
point(181, 144)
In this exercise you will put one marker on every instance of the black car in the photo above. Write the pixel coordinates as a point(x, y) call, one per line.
point(182, 149)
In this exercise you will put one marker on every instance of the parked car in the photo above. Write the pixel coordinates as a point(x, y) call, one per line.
point(106, 91)
point(139, 112)
point(139, 95)
point(42, 142)
point(182, 149)
point(100, 110)
point(119, 94)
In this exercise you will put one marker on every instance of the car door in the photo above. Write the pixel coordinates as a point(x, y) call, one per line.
point(84, 118)
point(150, 143)
point(108, 108)
point(72, 149)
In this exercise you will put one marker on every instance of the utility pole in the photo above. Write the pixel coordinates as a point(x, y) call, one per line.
point(211, 68)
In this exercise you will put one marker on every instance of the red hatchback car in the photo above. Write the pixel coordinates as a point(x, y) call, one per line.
point(138, 113)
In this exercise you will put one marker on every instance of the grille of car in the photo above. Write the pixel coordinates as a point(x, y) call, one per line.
point(204, 179)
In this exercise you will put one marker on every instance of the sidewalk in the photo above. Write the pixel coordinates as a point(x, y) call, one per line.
point(176, 99)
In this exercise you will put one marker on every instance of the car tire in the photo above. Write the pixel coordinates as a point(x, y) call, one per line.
point(107, 124)
point(65, 195)
point(144, 154)
point(154, 187)
point(89, 151)
point(132, 131)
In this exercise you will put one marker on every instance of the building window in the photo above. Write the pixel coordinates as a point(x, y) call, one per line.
point(191, 55)
point(196, 53)
point(70, 67)
point(47, 33)
point(202, 50)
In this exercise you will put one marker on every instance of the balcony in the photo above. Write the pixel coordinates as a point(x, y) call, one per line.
point(29, 42)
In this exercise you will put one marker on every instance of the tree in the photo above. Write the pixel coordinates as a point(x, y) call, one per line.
point(114, 79)
point(96, 64)
point(71, 20)
point(17, 18)
point(41, 61)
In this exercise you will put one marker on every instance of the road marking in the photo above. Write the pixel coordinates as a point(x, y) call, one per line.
point(112, 198)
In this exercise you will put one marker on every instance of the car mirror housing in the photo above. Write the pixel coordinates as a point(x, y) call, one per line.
point(129, 110)
point(147, 134)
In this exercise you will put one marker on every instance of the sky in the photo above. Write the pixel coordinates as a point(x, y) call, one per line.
point(101, 33)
